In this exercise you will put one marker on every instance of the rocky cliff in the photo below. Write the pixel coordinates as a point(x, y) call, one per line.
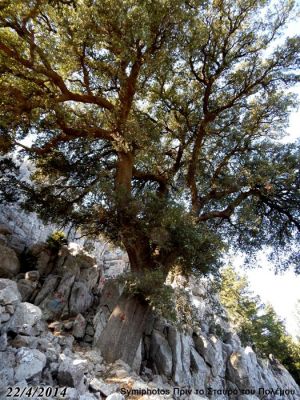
point(54, 306)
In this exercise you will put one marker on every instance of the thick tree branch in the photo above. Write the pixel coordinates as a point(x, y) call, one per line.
point(54, 77)
point(229, 210)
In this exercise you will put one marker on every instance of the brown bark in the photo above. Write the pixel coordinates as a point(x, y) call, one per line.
point(124, 173)
point(138, 250)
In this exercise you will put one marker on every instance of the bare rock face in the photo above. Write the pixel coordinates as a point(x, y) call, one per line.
point(9, 293)
point(64, 287)
point(99, 322)
point(162, 354)
point(5, 232)
point(115, 396)
point(43, 256)
point(79, 327)
point(9, 262)
point(71, 372)
point(29, 363)
point(27, 288)
point(69, 289)
point(210, 349)
point(26, 320)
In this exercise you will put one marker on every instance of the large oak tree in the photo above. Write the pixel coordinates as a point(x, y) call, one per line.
point(155, 122)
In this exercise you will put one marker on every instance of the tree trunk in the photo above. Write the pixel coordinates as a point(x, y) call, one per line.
point(121, 336)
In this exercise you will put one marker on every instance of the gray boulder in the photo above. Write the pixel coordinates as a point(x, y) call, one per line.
point(71, 394)
point(43, 256)
point(87, 396)
point(33, 276)
point(26, 288)
point(97, 385)
point(47, 290)
point(9, 262)
point(3, 341)
point(9, 293)
point(71, 372)
point(115, 396)
point(29, 363)
point(79, 326)
point(25, 320)
point(7, 365)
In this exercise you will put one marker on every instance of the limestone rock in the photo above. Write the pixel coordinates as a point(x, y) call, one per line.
point(7, 365)
point(97, 385)
point(25, 320)
point(32, 276)
point(199, 370)
point(87, 396)
point(43, 255)
point(115, 396)
point(136, 365)
point(4, 230)
point(46, 291)
point(3, 341)
point(24, 341)
point(99, 322)
point(9, 293)
point(71, 394)
point(71, 372)
point(3, 382)
point(161, 354)
point(242, 371)
point(66, 341)
point(80, 299)
point(29, 363)
point(4, 317)
point(79, 327)
point(9, 262)
point(68, 291)
point(26, 288)
point(181, 347)
point(212, 352)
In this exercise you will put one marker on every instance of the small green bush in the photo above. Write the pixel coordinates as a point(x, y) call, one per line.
point(171, 304)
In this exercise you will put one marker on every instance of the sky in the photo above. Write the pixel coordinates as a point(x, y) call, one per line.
point(281, 290)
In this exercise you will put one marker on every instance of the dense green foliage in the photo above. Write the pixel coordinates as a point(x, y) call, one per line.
point(155, 122)
point(257, 324)
point(171, 303)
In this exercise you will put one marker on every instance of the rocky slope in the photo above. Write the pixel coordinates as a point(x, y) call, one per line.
point(54, 306)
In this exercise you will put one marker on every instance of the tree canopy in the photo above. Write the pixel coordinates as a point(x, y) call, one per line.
point(156, 122)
